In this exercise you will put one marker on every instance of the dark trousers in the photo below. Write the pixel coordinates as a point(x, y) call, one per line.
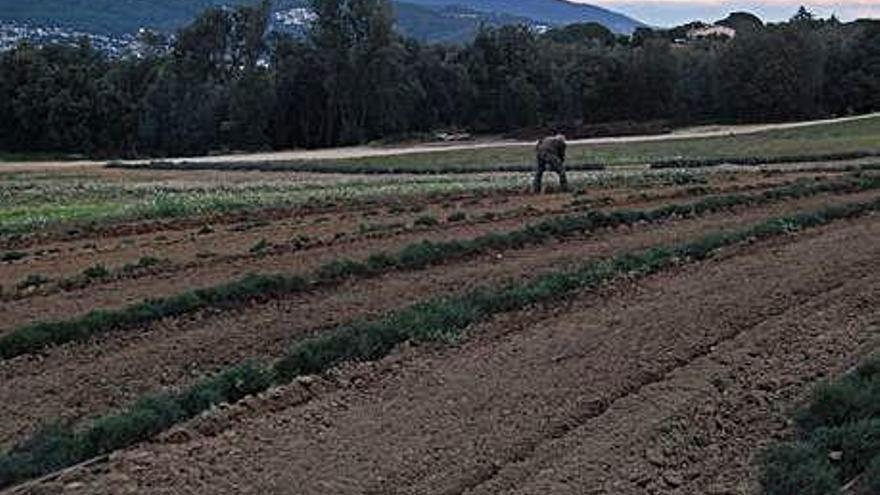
point(554, 163)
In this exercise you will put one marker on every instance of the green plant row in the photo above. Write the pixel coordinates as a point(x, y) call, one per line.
point(762, 160)
point(57, 446)
point(837, 440)
point(443, 319)
point(37, 336)
point(345, 168)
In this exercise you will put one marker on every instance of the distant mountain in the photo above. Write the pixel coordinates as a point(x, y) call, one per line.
point(448, 24)
point(551, 12)
point(115, 17)
point(429, 20)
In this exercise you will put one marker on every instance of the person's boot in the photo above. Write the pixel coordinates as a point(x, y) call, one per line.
point(563, 182)
point(536, 183)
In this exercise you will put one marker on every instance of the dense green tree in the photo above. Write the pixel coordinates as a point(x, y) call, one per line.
point(225, 83)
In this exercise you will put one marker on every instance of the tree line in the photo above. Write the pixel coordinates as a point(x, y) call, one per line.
point(227, 83)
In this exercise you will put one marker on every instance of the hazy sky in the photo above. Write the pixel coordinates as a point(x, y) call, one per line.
point(674, 12)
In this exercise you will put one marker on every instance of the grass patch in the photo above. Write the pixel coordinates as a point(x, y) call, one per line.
point(96, 272)
point(36, 156)
point(35, 337)
point(9, 256)
point(443, 319)
point(426, 221)
point(837, 439)
point(842, 137)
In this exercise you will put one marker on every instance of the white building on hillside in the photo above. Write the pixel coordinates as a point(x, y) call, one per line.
point(712, 31)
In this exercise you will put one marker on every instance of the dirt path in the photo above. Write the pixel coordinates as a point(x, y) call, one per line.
point(562, 399)
point(370, 151)
point(80, 380)
point(208, 272)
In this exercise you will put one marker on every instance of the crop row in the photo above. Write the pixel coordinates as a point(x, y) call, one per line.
point(837, 440)
point(84, 213)
point(345, 168)
point(35, 337)
point(762, 160)
point(40, 284)
point(439, 169)
point(437, 320)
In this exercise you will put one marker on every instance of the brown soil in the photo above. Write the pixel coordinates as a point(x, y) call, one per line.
point(670, 385)
point(192, 271)
point(201, 241)
point(80, 380)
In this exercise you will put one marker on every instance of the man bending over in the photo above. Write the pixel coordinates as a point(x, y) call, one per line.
point(551, 154)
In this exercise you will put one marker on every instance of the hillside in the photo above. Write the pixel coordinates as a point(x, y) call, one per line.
point(553, 12)
point(432, 20)
point(448, 23)
point(108, 16)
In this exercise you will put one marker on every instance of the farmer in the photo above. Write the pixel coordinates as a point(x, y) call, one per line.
point(551, 154)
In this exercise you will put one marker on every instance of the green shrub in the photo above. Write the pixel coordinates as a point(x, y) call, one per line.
point(340, 269)
point(94, 272)
point(797, 469)
point(871, 485)
point(458, 216)
point(12, 256)
point(858, 444)
point(426, 221)
point(260, 247)
point(839, 430)
point(848, 400)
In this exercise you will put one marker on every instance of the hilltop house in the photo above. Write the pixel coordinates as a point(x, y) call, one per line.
point(715, 31)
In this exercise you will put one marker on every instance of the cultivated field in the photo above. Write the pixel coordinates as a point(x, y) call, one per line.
point(306, 330)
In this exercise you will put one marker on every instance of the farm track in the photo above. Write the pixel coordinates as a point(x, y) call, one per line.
point(562, 398)
point(235, 235)
point(369, 151)
point(161, 281)
point(81, 380)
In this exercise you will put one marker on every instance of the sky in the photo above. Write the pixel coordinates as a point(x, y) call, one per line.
point(676, 12)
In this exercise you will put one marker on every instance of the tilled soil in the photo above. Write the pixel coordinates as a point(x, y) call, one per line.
point(80, 380)
point(208, 238)
point(196, 274)
point(668, 385)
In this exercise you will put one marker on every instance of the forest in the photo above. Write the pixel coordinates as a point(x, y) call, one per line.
point(226, 83)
